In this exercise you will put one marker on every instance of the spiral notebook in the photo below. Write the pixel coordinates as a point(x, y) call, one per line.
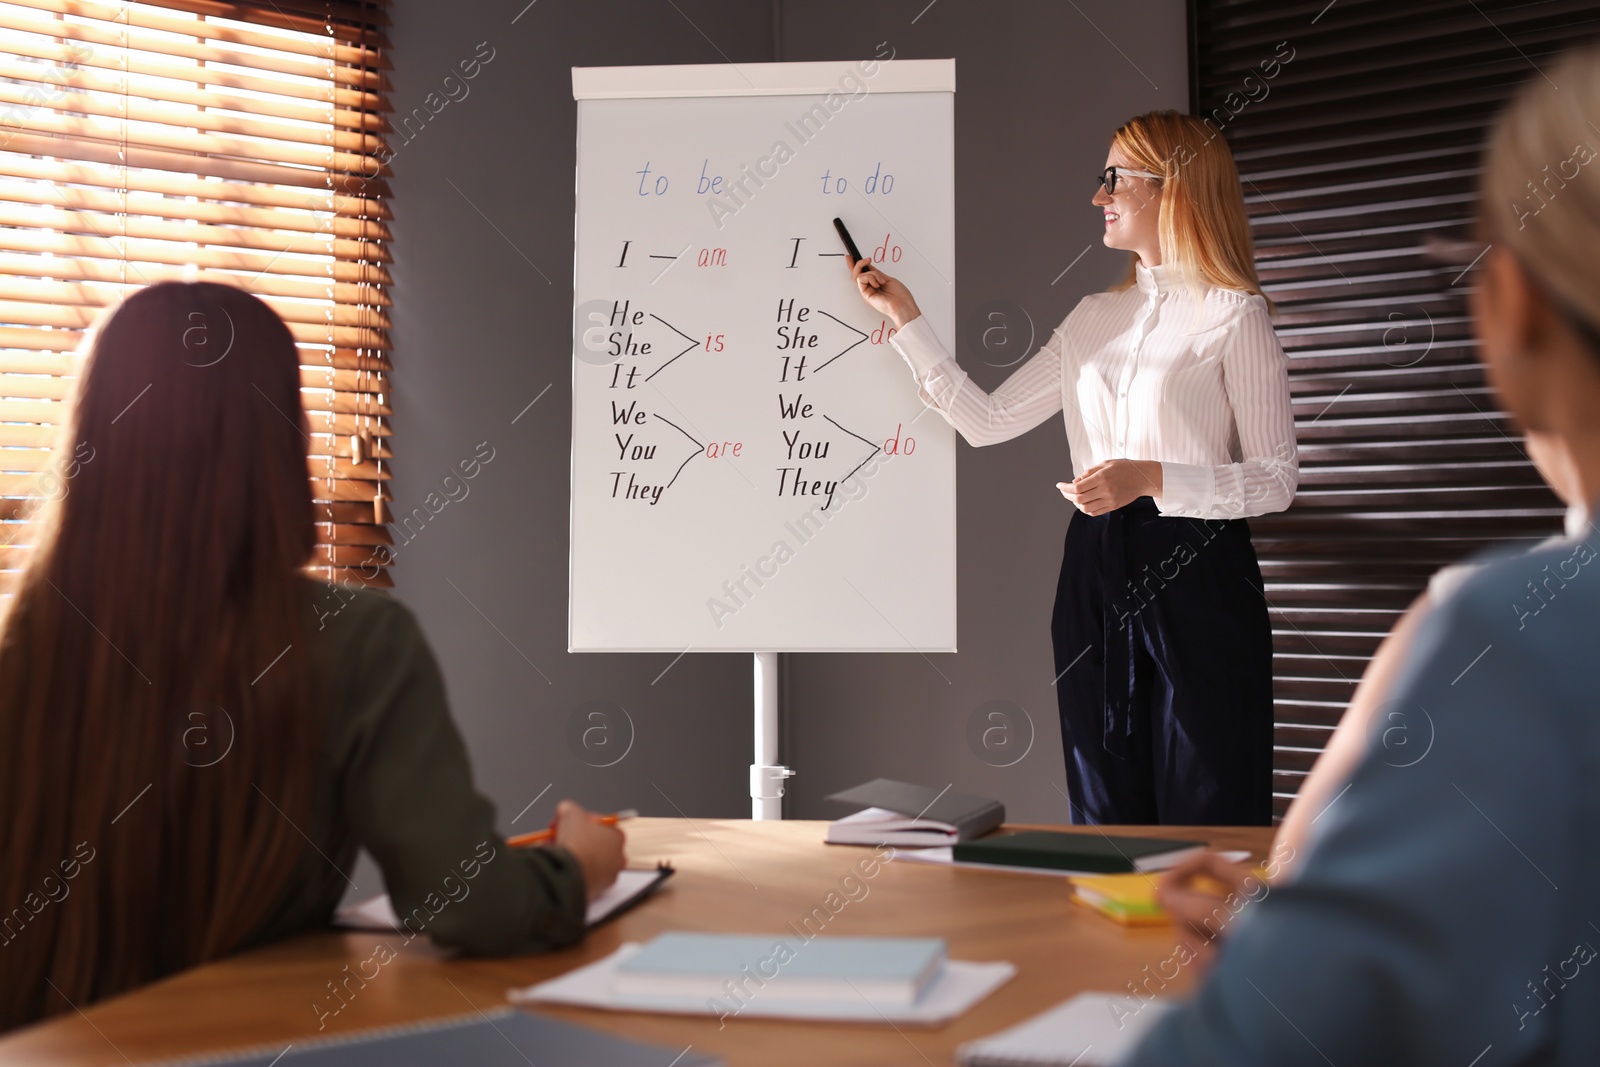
point(1090, 1030)
point(630, 888)
point(502, 1038)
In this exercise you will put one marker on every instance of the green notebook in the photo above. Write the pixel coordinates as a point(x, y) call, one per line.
point(1091, 852)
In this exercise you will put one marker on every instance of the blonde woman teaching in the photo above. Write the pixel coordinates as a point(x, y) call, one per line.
point(1175, 397)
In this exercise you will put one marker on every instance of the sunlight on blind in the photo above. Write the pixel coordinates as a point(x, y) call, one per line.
point(150, 142)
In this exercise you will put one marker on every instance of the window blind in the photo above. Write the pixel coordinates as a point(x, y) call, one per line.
point(1358, 127)
point(201, 141)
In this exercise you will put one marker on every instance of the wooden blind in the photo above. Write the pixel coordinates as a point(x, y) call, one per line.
point(202, 141)
point(1358, 126)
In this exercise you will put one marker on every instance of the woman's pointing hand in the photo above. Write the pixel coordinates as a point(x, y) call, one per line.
point(887, 296)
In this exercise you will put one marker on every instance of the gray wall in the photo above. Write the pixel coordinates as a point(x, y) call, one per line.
point(482, 195)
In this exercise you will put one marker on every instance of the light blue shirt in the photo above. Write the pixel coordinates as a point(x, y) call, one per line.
point(1447, 910)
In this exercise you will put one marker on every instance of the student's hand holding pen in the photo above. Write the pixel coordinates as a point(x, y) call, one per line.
point(594, 840)
point(1203, 894)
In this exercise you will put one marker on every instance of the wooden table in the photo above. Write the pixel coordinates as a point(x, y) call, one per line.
point(733, 875)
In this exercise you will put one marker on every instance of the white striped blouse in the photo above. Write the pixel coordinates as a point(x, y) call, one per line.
point(1138, 374)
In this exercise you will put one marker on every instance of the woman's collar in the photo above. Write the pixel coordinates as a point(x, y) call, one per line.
point(1158, 279)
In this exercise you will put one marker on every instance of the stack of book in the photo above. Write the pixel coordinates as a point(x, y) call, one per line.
point(884, 970)
point(901, 814)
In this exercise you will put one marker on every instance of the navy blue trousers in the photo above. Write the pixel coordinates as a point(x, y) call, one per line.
point(1164, 655)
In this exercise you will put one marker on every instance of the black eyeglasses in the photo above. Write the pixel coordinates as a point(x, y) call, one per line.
point(1108, 177)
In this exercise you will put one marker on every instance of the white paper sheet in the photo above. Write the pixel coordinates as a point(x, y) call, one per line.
point(1090, 1030)
point(958, 988)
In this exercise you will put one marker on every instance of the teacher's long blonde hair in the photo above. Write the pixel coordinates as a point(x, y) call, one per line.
point(1203, 228)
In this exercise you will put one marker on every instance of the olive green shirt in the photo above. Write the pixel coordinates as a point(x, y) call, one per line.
point(395, 780)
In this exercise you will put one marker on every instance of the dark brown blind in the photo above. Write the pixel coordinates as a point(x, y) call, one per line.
point(1357, 126)
point(198, 140)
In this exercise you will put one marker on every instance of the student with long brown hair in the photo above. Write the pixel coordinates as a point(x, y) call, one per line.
point(1174, 393)
point(191, 751)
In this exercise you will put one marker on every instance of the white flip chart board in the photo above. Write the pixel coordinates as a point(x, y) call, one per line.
point(752, 469)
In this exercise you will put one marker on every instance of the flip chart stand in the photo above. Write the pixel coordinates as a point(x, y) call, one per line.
point(766, 774)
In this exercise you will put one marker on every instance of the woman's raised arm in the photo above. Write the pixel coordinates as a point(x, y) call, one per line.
point(1024, 400)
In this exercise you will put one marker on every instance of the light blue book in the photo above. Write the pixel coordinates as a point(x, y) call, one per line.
point(886, 970)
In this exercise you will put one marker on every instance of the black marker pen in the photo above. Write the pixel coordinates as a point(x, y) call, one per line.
point(849, 245)
point(853, 251)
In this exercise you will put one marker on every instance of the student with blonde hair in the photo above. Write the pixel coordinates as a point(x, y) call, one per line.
point(1443, 910)
point(1174, 393)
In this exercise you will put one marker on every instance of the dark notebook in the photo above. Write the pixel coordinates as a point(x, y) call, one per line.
point(1098, 853)
point(500, 1038)
point(899, 813)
